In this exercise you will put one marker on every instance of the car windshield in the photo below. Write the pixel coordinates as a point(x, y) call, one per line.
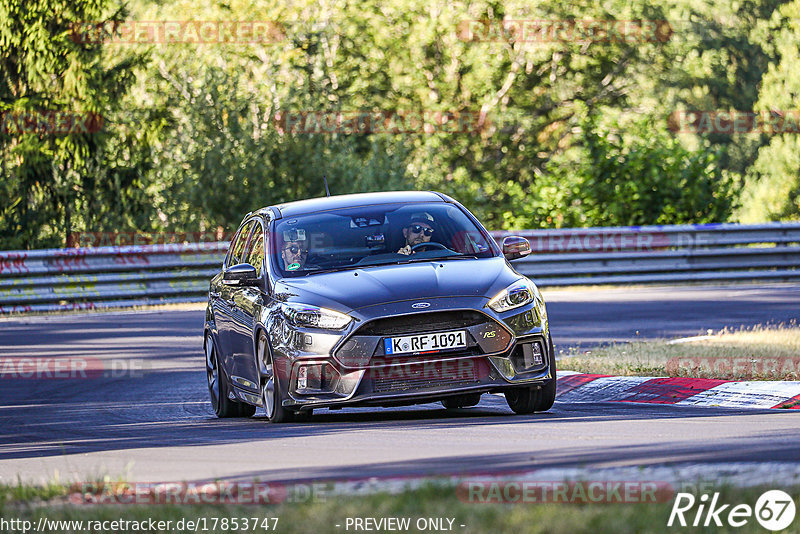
point(375, 235)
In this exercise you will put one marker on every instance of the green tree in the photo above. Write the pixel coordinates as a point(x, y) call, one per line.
point(643, 176)
point(191, 140)
point(227, 155)
point(53, 182)
point(772, 191)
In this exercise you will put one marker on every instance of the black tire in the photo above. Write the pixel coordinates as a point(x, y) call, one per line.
point(271, 397)
point(527, 400)
point(521, 399)
point(218, 390)
point(547, 395)
point(462, 401)
point(246, 409)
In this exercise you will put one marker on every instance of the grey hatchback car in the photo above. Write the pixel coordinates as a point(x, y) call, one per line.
point(378, 299)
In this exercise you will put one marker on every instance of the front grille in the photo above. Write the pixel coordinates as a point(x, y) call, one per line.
point(366, 346)
point(431, 375)
point(409, 384)
point(422, 322)
point(383, 360)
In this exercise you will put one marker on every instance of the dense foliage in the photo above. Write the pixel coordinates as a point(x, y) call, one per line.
point(568, 132)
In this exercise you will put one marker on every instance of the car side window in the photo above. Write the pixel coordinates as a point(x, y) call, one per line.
point(237, 248)
point(255, 250)
point(229, 254)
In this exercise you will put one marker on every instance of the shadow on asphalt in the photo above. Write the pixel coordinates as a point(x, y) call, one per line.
point(40, 418)
point(781, 448)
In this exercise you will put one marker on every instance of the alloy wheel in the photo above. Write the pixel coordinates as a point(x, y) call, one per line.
point(212, 373)
point(267, 378)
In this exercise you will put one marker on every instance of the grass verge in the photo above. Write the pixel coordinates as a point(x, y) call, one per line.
point(434, 501)
point(758, 353)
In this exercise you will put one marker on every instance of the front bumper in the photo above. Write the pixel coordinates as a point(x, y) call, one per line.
point(354, 370)
point(364, 393)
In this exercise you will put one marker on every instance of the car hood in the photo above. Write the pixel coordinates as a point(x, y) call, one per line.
point(353, 289)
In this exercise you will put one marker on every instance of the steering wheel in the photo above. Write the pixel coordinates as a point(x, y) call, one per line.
point(433, 244)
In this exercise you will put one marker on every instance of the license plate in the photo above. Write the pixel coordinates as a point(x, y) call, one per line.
point(425, 342)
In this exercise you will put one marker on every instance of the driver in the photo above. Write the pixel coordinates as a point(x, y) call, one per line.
point(295, 249)
point(418, 230)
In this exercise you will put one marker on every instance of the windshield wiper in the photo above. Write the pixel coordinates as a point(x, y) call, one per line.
point(379, 264)
point(440, 258)
point(331, 269)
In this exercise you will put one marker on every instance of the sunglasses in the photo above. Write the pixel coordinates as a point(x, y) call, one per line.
point(294, 249)
point(416, 228)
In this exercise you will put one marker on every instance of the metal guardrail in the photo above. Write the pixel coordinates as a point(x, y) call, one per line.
point(652, 254)
point(88, 278)
point(102, 277)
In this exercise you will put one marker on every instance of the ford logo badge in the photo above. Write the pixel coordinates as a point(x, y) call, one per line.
point(420, 305)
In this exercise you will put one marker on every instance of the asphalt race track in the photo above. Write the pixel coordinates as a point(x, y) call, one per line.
point(147, 418)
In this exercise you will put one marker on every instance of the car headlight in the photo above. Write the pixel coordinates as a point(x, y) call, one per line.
point(309, 316)
point(518, 294)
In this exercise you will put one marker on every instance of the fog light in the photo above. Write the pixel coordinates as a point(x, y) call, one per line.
point(316, 378)
point(302, 378)
point(528, 357)
point(532, 354)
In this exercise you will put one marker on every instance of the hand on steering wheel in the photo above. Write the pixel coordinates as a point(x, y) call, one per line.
point(433, 244)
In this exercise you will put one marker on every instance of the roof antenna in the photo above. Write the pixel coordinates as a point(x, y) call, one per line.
point(325, 180)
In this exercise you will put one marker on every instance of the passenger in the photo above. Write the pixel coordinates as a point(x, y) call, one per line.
point(418, 230)
point(295, 249)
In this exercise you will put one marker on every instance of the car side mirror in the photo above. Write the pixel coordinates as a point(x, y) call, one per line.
point(242, 274)
point(515, 247)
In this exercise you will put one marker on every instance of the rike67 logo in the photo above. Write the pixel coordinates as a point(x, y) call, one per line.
point(774, 510)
